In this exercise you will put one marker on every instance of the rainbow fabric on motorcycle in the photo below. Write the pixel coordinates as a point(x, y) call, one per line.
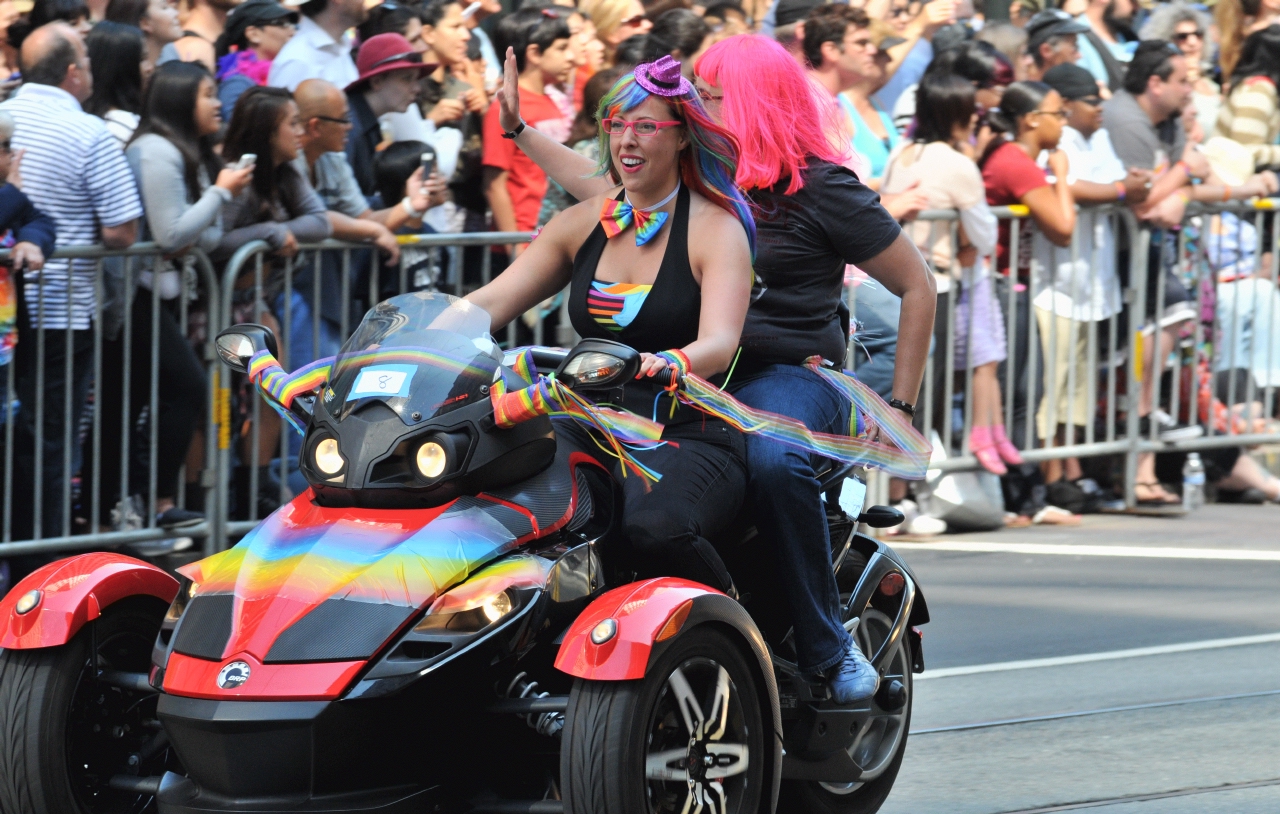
point(280, 389)
point(909, 462)
point(617, 216)
point(305, 554)
point(548, 397)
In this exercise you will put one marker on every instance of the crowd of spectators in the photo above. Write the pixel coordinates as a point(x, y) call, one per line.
point(211, 123)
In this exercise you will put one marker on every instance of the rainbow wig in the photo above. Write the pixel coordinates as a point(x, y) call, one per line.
point(769, 103)
point(708, 166)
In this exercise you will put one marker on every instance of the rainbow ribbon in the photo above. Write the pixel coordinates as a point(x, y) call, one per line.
point(615, 430)
point(909, 460)
point(280, 389)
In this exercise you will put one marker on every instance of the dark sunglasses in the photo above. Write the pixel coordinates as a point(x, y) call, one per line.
point(411, 56)
point(343, 122)
point(1183, 36)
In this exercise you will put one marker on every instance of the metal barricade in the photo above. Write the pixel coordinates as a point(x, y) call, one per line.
point(58, 448)
point(1084, 360)
point(258, 286)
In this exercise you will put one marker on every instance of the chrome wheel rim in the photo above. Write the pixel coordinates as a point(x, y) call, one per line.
point(696, 754)
point(881, 735)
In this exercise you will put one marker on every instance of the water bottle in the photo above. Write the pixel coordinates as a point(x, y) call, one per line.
point(1192, 482)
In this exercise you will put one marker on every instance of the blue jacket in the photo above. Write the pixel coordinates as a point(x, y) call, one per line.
point(29, 224)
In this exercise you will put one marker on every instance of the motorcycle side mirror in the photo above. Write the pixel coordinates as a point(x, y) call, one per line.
point(238, 344)
point(596, 364)
point(881, 517)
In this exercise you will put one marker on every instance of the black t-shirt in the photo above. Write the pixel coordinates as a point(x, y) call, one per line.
point(803, 242)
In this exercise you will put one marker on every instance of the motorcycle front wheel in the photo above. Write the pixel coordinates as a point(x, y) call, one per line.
point(64, 734)
point(687, 737)
point(880, 745)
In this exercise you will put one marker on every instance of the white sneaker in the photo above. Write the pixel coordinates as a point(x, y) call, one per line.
point(926, 526)
point(910, 511)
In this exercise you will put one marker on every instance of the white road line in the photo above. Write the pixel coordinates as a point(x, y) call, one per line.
point(1111, 655)
point(1156, 552)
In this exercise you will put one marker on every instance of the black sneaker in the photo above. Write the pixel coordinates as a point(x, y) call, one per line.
point(178, 518)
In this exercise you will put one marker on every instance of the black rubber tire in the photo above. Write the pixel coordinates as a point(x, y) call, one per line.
point(37, 688)
point(809, 797)
point(603, 747)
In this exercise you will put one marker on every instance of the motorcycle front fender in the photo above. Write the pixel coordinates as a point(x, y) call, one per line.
point(75, 591)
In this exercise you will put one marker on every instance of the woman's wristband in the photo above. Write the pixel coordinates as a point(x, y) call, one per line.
point(899, 404)
point(1226, 192)
point(409, 210)
point(511, 134)
point(1120, 190)
point(675, 358)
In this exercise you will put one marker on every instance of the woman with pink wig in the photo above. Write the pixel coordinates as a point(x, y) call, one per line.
point(813, 217)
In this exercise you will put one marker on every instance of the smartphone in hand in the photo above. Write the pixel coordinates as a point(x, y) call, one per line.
point(247, 160)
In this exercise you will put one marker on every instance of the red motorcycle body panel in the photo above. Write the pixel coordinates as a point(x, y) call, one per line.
point(75, 591)
point(640, 610)
point(197, 678)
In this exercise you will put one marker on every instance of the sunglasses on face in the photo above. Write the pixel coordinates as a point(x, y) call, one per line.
point(343, 122)
point(617, 127)
point(1183, 36)
point(707, 97)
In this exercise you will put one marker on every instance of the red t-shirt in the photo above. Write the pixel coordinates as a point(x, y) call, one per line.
point(1008, 174)
point(526, 183)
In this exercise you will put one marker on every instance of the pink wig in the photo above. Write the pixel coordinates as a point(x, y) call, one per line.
point(769, 105)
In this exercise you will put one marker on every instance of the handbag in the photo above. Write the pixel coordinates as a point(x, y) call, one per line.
point(967, 501)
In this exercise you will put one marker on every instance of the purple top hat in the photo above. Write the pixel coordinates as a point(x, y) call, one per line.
point(663, 78)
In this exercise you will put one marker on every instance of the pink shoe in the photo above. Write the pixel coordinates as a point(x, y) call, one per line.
point(984, 449)
point(1007, 451)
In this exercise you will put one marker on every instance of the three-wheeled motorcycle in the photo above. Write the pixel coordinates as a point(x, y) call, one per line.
point(436, 626)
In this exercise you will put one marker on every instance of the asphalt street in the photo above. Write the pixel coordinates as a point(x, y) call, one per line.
point(1130, 666)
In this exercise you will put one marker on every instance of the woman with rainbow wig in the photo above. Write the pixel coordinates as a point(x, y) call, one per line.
point(813, 217)
point(637, 274)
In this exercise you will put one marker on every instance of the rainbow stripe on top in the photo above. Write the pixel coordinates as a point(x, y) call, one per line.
point(614, 306)
point(617, 216)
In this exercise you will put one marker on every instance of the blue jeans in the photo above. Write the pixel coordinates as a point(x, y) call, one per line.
point(787, 509)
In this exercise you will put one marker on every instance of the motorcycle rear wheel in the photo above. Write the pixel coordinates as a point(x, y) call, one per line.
point(63, 734)
point(689, 732)
point(881, 746)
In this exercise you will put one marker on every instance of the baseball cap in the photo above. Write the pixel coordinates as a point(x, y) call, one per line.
point(793, 11)
point(1071, 81)
point(387, 52)
point(1052, 23)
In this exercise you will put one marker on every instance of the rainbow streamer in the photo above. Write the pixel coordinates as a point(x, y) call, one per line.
point(910, 462)
point(913, 450)
point(619, 429)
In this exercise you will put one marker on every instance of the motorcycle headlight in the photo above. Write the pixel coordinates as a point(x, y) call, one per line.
point(179, 604)
point(471, 617)
point(431, 460)
point(327, 457)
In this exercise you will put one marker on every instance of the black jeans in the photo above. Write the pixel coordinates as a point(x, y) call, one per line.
point(668, 525)
point(181, 391)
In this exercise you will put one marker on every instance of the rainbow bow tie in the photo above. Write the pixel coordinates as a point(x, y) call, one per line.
point(616, 216)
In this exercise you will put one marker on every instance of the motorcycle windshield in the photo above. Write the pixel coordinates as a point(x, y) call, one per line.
point(422, 354)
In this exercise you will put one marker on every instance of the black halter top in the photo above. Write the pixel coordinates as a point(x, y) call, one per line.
point(667, 318)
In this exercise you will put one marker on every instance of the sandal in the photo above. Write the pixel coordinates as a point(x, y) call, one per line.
point(983, 448)
point(1157, 495)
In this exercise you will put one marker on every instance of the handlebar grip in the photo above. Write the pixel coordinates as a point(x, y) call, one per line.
point(664, 378)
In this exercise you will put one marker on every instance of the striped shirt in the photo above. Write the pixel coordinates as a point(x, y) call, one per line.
point(1251, 116)
point(75, 172)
